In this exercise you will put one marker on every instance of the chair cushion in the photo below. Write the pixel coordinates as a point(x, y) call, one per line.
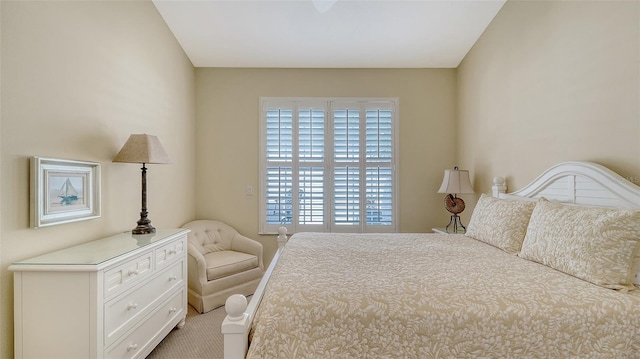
point(225, 263)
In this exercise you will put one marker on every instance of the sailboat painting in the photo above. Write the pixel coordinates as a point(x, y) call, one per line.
point(66, 190)
point(63, 191)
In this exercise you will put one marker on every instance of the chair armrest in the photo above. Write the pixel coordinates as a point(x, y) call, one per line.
point(244, 244)
point(196, 267)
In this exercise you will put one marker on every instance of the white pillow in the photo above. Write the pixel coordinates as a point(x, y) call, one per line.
point(500, 222)
point(594, 244)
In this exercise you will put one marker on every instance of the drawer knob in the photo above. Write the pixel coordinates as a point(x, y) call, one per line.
point(172, 252)
point(172, 277)
point(132, 306)
point(133, 272)
point(132, 347)
point(172, 310)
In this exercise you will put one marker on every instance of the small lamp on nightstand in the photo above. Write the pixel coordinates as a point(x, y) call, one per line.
point(455, 182)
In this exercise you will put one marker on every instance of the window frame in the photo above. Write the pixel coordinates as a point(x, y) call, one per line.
point(329, 105)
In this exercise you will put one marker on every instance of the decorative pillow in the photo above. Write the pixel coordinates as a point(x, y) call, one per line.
point(594, 244)
point(500, 222)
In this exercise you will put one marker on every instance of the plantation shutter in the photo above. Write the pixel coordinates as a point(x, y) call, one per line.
point(379, 176)
point(311, 173)
point(279, 171)
point(327, 165)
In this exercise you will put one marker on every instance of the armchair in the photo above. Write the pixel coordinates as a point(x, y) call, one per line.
point(221, 262)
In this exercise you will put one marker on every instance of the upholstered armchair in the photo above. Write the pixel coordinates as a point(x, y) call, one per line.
point(221, 262)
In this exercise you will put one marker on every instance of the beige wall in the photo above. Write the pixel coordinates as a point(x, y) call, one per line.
point(227, 138)
point(3, 312)
point(77, 79)
point(552, 81)
point(546, 82)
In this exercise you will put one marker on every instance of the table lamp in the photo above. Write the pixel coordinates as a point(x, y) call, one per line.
point(143, 148)
point(455, 181)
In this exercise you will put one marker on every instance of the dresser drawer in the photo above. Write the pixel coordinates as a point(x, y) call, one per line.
point(123, 312)
point(136, 344)
point(127, 274)
point(167, 253)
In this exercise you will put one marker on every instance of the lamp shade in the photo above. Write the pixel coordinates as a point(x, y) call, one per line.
point(142, 148)
point(456, 181)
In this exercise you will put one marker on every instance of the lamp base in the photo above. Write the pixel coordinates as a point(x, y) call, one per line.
point(455, 220)
point(144, 227)
point(144, 223)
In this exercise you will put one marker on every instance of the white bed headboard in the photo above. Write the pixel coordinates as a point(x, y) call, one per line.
point(583, 183)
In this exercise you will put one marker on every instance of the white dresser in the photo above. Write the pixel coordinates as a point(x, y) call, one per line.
point(115, 297)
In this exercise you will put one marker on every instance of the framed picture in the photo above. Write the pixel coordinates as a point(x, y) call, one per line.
point(63, 191)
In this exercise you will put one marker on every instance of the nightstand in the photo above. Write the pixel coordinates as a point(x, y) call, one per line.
point(442, 230)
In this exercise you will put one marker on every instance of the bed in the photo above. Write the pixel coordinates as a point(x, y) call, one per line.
point(549, 271)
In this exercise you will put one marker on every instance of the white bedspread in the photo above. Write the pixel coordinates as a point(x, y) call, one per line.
point(433, 296)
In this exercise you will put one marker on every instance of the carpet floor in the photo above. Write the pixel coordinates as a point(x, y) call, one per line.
point(200, 338)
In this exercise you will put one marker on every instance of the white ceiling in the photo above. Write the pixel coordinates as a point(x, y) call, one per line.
point(350, 34)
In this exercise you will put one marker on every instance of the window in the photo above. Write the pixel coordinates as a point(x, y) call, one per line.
point(328, 165)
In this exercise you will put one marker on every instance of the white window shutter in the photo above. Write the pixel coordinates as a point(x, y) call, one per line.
point(328, 165)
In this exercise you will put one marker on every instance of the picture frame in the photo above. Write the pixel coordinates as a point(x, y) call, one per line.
point(63, 191)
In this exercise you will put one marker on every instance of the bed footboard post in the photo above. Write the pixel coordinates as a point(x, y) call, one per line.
point(282, 236)
point(234, 327)
point(499, 187)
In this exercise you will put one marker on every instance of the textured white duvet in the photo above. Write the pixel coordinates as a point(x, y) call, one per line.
point(433, 296)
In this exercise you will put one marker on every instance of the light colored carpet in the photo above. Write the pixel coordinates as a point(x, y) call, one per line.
point(199, 338)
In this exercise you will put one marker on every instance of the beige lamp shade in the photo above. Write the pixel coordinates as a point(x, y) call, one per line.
point(142, 148)
point(456, 181)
